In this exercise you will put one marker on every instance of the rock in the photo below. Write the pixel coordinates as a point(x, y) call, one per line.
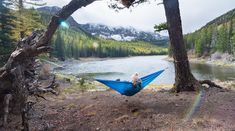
point(49, 126)
point(177, 105)
point(216, 56)
point(134, 110)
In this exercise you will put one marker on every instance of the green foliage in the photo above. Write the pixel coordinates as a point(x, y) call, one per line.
point(160, 27)
point(6, 30)
point(217, 35)
point(59, 47)
point(232, 37)
point(26, 21)
point(81, 81)
point(12, 22)
point(6, 24)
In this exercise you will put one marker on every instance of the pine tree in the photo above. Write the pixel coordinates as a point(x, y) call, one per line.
point(222, 40)
point(26, 19)
point(208, 39)
point(59, 47)
point(6, 27)
point(230, 35)
point(198, 45)
point(233, 38)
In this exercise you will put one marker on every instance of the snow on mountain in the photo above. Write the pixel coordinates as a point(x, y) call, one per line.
point(116, 37)
point(121, 33)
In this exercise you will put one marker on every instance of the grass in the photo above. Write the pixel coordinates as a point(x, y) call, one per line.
point(159, 86)
point(78, 84)
point(233, 85)
point(79, 88)
point(69, 78)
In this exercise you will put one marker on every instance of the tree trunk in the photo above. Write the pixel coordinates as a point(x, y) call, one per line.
point(184, 80)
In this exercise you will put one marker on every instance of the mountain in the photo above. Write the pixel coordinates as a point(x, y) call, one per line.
point(217, 35)
point(107, 32)
point(121, 33)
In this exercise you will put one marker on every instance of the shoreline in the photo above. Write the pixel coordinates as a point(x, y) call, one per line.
point(75, 84)
point(206, 61)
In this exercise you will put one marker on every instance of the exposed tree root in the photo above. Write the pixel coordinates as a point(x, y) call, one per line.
point(195, 86)
point(210, 83)
point(7, 100)
point(37, 90)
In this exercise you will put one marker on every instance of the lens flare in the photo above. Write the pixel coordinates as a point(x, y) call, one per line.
point(195, 106)
point(64, 24)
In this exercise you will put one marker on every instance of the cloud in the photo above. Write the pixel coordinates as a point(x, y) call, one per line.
point(194, 13)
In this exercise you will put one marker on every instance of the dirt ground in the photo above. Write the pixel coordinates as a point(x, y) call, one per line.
point(210, 110)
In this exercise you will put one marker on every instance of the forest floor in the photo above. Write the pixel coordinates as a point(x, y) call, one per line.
point(151, 109)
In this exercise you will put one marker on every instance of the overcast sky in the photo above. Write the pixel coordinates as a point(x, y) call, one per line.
point(194, 13)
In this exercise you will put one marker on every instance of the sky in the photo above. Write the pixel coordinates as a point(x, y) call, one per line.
point(194, 13)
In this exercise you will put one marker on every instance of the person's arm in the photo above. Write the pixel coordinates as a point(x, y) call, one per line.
point(132, 78)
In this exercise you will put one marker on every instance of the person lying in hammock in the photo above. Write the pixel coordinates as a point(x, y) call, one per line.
point(136, 80)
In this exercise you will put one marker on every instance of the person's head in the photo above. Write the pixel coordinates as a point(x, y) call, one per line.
point(136, 74)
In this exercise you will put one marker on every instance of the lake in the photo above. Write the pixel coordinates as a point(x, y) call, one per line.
point(123, 68)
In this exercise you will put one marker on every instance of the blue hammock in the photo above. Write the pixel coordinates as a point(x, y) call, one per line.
point(126, 87)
